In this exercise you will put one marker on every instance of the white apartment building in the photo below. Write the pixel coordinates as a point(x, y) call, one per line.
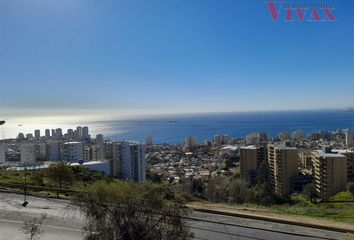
point(37, 134)
point(349, 138)
point(92, 153)
point(2, 154)
point(299, 134)
point(129, 161)
point(27, 151)
point(72, 152)
point(85, 133)
point(221, 139)
point(47, 133)
point(53, 151)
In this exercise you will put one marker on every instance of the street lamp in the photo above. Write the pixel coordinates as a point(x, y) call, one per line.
point(2, 122)
point(24, 204)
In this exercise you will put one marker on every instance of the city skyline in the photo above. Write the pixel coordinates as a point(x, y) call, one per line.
point(128, 58)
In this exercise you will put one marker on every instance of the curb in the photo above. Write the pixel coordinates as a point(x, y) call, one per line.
point(271, 219)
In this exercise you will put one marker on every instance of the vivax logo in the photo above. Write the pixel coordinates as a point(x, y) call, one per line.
point(309, 12)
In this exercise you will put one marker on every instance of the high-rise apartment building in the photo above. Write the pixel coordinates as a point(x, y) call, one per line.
point(29, 136)
point(349, 138)
point(99, 138)
point(27, 152)
point(40, 151)
point(85, 133)
point(221, 139)
point(108, 149)
point(305, 159)
point(284, 136)
point(148, 141)
point(53, 151)
point(128, 161)
point(256, 138)
point(2, 154)
point(330, 170)
point(70, 133)
point(190, 142)
point(37, 134)
point(20, 136)
point(92, 153)
point(59, 133)
point(79, 132)
point(249, 162)
point(283, 165)
point(47, 133)
point(297, 135)
point(72, 152)
point(350, 162)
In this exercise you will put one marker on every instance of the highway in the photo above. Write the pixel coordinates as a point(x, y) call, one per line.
point(66, 223)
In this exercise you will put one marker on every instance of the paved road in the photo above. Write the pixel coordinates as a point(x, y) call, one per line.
point(65, 223)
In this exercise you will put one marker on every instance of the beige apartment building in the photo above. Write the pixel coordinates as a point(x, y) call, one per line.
point(283, 165)
point(330, 170)
point(350, 162)
point(305, 159)
point(250, 159)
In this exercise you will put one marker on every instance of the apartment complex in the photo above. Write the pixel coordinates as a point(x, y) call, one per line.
point(128, 161)
point(250, 159)
point(221, 139)
point(305, 159)
point(330, 171)
point(349, 138)
point(2, 154)
point(190, 142)
point(92, 153)
point(350, 162)
point(27, 152)
point(72, 152)
point(283, 165)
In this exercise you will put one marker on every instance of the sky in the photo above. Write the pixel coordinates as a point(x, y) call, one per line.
point(107, 57)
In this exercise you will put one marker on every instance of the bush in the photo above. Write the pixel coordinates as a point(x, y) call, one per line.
point(216, 189)
point(238, 191)
point(350, 188)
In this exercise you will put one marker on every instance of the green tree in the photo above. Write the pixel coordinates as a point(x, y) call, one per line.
point(237, 191)
point(153, 177)
point(128, 211)
point(37, 178)
point(33, 228)
point(60, 174)
point(310, 192)
point(350, 188)
point(216, 189)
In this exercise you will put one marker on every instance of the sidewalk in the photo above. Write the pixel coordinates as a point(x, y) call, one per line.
point(258, 214)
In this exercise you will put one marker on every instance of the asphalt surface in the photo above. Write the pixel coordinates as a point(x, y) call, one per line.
point(65, 223)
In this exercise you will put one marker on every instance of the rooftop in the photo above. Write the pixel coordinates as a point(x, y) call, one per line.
point(321, 153)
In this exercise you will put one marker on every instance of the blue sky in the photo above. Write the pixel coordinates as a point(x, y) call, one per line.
point(165, 56)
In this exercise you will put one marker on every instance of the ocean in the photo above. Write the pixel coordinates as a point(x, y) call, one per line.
point(174, 128)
